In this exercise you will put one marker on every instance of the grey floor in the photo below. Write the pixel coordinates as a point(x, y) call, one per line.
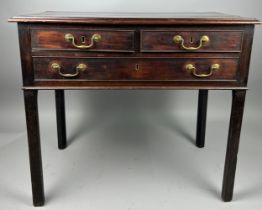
point(131, 151)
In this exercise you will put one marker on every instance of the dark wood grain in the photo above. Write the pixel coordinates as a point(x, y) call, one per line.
point(201, 118)
point(245, 54)
point(112, 40)
point(162, 41)
point(134, 18)
point(237, 111)
point(125, 69)
point(136, 52)
point(25, 54)
point(34, 145)
point(133, 86)
point(84, 54)
point(60, 118)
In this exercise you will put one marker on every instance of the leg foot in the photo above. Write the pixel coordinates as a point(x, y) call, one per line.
point(233, 143)
point(31, 110)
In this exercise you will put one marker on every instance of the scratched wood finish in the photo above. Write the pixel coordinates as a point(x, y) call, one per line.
point(164, 69)
point(112, 41)
point(162, 41)
point(32, 78)
point(103, 18)
point(133, 85)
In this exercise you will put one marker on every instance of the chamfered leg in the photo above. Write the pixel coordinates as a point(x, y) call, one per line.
point(237, 111)
point(201, 118)
point(34, 145)
point(60, 118)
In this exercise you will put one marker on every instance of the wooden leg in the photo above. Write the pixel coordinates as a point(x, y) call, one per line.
point(201, 118)
point(31, 110)
point(233, 143)
point(60, 117)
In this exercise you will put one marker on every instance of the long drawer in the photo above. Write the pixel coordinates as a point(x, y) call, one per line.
point(135, 69)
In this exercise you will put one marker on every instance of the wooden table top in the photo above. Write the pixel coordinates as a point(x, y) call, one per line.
point(134, 18)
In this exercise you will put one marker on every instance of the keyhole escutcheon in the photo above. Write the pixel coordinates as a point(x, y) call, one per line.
point(83, 39)
point(137, 67)
point(191, 40)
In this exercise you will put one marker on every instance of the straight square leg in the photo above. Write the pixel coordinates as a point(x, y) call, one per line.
point(61, 119)
point(237, 111)
point(201, 118)
point(31, 111)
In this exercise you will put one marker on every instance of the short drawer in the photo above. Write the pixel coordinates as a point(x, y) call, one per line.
point(83, 39)
point(135, 69)
point(191, 41)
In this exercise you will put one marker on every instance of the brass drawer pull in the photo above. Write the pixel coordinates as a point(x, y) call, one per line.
point(57, 68)
point(192, 69)
point(94, 38)
point(180, 40)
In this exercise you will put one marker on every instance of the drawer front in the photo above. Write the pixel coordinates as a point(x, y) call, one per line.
point(83, 39)
point(190, 41)
point(136, 69)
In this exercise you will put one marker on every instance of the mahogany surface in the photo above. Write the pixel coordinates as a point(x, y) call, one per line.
point(135, 69)
point(112, 40)
point(134, 18)
point(136, 51)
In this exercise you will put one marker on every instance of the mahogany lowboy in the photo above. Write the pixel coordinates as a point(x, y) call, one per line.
point(202, 51)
